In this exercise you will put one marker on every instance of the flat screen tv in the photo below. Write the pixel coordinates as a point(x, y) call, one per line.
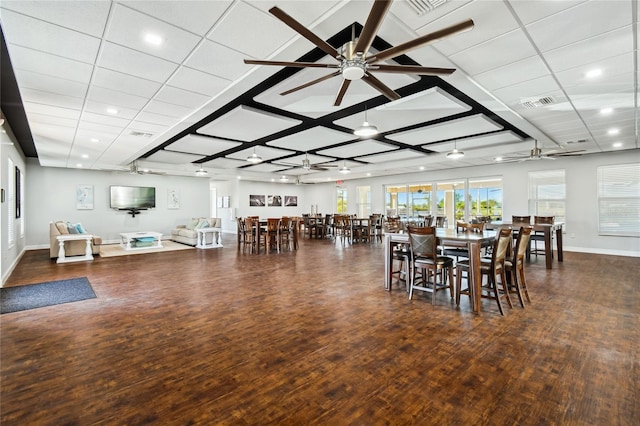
point(132, 197)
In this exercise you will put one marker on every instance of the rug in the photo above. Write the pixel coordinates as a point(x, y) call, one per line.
point(21, 298)
point(111, 250)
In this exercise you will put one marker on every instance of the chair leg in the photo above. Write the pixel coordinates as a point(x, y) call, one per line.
point(523, 283)
point(458, 285)
point(505, 288)
point(451, 293)
point(494, 287)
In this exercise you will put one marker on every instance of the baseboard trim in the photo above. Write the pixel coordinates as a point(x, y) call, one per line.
point(627, 253)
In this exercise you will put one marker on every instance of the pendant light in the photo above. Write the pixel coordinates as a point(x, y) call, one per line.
point(254, 158)
point(201, 172)
point(455, 154)
point(366, 129)
point(345, 170)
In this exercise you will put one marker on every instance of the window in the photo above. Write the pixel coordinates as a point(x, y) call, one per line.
point(420, 197)
point(485, 198)
point(396, 200)
point(547, 194)
point(342, 201)
point(20, 194)
point(11, 203)
point(364, 201)
point(619, 200)
point(450, 201)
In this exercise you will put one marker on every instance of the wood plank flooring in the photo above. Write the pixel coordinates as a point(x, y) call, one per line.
point(218, 337)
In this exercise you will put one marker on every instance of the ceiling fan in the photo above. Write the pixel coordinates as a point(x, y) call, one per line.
point(355, 62)
point(306, 164)
point(537, 154)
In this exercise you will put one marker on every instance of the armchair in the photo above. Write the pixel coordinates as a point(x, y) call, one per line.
point(71, 248)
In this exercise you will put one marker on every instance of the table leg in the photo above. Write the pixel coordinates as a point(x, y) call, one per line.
point(548, 248)
point(61, 252)
point(88, 252)
point(475, 277)
point(559, 243)
point(387, 263)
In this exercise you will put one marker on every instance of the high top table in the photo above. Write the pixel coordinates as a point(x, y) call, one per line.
point(474, 241)
point(545, 228)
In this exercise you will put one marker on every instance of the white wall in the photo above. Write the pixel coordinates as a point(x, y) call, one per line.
point(51, 196)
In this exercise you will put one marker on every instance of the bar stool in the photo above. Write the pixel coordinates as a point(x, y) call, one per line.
point(515, 266)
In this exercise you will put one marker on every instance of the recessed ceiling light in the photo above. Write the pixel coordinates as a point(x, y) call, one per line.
point(597, 72)
point(94, 140)
point(239, 177)
point(498, 158)
point(79, 165)
point(85, 156)
point(368, 174)
point(617, 145)
point(613, 131)
point(112, 110)
point(606, 111)
point(154, 39)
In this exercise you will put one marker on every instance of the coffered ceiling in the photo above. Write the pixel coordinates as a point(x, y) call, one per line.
point(163, 83)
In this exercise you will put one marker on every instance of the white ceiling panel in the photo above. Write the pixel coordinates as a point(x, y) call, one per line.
point(357, 149)
point(48, 98)
point(404, 154)
point(135, 63)
point(35, 108)
point(150, 117)
point(50, 38)
point(129, 28)
point(226, 163)
point(102, 108)
point(181, 97)
point(201, 16)
point(163, 156)
point(617, 69)
point(116, 98)
point(266, 168)
point(533, 10)
point(267, 153)
point(109, 120)
point(54, 121)
point(298, 159)
point(61, 86)
point(449, 130)
point(202, 145)
point(538, 87)
point(513, 73)
point(311, 139)
point(216, 59)
point(198, 81)
point(170, 110)
point(233, 125)
point(153, 129)
point(32, 60)
point(100, 128)
point(125, 83)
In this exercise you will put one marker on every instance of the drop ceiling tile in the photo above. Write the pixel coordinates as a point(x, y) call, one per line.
point(46, 37)
point(404, 154)
point(494, 140)
point(153, 129)
point(102, 108)
point(181, 97)
point(150, 117)
point(109, 120)
point(201, 145)
point(420, 107)
point(36, 108)
point(448, 130)
point(135, 63)
point(233, 125)
point(32, 60)
point(54, 99)
point(536, 88)
point(38, 81)
point(198, 81)
point(311, 139)
point(52, 120)
point(116, 98)
point(125, 83)
point(88, 17)
point(100, 128)
point(170, 110)
point(267, 153)
point(514, 73)
point(225, 163)
point(618, 69)
point(357, 149)
point(265, 168)
point(129, 27)
point(173, 157)
point(243, 29)
point(87, 135)
point(216, 59)
point(201, 17)
point(530, 11)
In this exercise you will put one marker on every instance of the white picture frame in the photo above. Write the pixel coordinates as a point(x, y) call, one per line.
point(84, 197)
point(173, 199)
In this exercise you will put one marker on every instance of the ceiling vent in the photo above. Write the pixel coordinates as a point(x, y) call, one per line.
point(424, 6)
point(576, 142)
point(143, 134)
point(537, 102)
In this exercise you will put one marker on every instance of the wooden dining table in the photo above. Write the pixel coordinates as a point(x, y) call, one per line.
point(474, 241)
point(545, 228)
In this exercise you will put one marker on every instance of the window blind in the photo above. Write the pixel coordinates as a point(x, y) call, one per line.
point(547, 194)
point(619, 199)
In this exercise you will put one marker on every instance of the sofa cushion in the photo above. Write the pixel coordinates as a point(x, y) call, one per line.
point(72, 228)
point(189, 233)
point(62, 228)
point(203, 223)
point(193, 223)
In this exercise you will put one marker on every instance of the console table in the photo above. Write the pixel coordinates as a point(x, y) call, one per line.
point(129, 240)
point(215, 237)
point(74, 237)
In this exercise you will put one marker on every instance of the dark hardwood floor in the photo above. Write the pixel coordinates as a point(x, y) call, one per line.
point(217, 337)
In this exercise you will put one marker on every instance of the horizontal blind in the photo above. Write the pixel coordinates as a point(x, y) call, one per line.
point(619, 199)
point(547, 194)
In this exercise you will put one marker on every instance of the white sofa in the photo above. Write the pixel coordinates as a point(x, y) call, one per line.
point(186, 234)
point(71, 248)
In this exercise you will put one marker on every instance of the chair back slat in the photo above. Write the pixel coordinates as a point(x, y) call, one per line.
point(422, 241)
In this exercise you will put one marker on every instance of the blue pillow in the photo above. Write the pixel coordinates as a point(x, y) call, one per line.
point(80, 228)
point(72, 228)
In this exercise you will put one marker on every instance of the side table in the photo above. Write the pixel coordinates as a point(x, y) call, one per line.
point(202, 238)
point(74, 237)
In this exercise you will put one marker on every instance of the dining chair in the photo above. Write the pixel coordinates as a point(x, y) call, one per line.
point(521, 219)
point(515, 265)
point(538, 236)
point(440, 221)
point(424, 257)
point(461, 249)
point(375, 227)
point(240, 232)
point(251, 234)
point(491, 269)
point(272, 234)
point(285, 233)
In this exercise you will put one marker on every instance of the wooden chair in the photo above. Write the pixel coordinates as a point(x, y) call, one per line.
point(521, 219)
point(515, 266)
point(375, 227)
point(461, 250)
point(272, 234)
point(240, 232)
point(492, 269)
point(440, 220)
point(285, 233)
point(538, 236)
point(424, 257)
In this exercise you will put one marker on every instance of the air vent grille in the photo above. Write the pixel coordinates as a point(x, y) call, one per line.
point(142, 134)
point(537, 102)
point(425, 6)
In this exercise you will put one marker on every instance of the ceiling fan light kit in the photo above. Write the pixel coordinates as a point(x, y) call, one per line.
point(366, 130)
point(254, 158)
point(201, 172)
point(455, 154)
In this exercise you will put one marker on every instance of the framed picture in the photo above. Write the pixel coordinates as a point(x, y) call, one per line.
point(256, 200)
point(173, 198)
point(18, 193)
point(291, 201)
point(84, 197)
point(274, 201)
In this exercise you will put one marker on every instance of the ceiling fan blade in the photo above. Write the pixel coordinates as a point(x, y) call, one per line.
point(410, 69)
point(412, 44)
point(565, 153)
point(304, 31)
point(291, 64)
point(380, 86)
point(343, 89)
point(370, 29)
point(311, 83)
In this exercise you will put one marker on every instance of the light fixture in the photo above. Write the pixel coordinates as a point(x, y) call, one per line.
point(606, 111)
point(154, 39)
point(284, 178)
point(455, 154)
point(612, 132)
point(498, 159)
point(617, 145)
point(345, 170)
point(201, 171)
point(366, 129)
point(254, 158)
point(594, 73)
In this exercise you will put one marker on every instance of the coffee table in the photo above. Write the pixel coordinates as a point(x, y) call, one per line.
point(140, 240)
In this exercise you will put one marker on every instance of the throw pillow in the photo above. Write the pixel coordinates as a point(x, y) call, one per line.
point(62, 228)
point(71, 228)
point(80, 228)
point(204, 223)
point(193, 223)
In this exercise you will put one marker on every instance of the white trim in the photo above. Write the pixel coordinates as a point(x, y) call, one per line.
point(609, 252)
point(13, 265)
